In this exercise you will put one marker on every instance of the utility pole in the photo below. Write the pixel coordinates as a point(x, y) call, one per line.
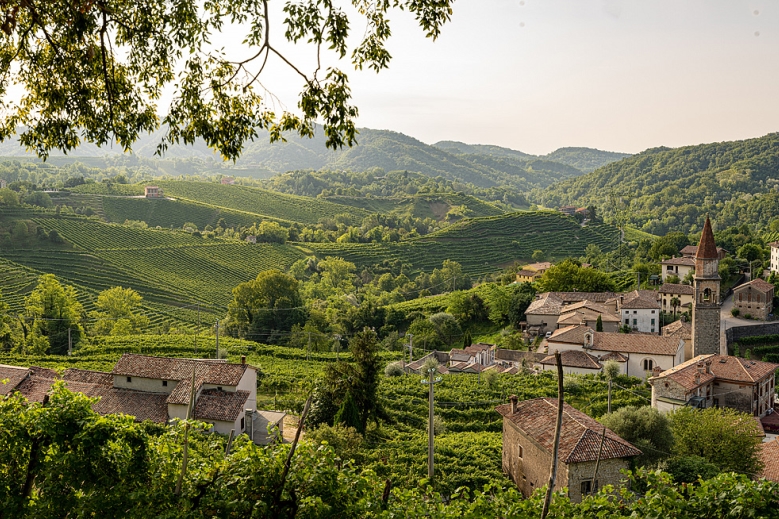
point(70, 343)
point(557, 429)
point(337, 345)
point(609, 398)
point(410, 347)
point(430, 381)
point(217, 338)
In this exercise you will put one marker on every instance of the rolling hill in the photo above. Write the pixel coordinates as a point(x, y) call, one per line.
point(674, 189)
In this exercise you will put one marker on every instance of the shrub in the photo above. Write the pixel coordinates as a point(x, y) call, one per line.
point(734, 312)
point(393, 369)
point(747, 316)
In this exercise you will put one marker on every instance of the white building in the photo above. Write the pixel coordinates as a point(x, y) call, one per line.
point(774, 256)
point(3, 184)
point(640, 310)
point(678, 267)
point(637, 353)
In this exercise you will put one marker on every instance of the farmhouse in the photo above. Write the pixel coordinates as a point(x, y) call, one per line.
point(640, 311)
point(528, 441)
point(683, 294)
point(587, 313)
point(532, 272)
point(641, 352)
point(544, 312)
point(754, 299)
point(573, 361)
point(678, 267)
point(3, 184)
point(159, 389)
point(153, 192)
point(716, 381)
point(774, 256)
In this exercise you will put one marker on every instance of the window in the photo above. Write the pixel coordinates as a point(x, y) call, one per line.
point(707, 294)
point(652, 330)
point(219, 388)
point(165, 383)
point(740, 297)
point(521, 452)
point(648, 364)
point(758, 298)
point(653, 312)
point(635, 322)
point(653, 321)
point(242, 424)
point(635, 311)
point(627, 321)
point(587, 486)
point(129, 379)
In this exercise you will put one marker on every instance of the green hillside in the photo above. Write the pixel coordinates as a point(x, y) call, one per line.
point(421, 206)
point(674, 189)
point(585, 159)
point(483, 245)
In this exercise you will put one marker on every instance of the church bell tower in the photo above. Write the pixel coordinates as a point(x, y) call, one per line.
point(706, 305)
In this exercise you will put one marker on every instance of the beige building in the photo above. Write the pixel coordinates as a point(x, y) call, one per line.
point(528, 437)
point(681, 329)
point(690, 251)
point(641, 352)
point(159, 389)
point(153, 192)
point(678, 267)
point(754, 299)
point(716, 381)
point(3, 184)
point(532, 272)
point(774, 256)
point(669, 291)
point(587, 313)
point(543, 313)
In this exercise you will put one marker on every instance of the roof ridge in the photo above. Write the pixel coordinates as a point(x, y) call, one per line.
point(740, 363)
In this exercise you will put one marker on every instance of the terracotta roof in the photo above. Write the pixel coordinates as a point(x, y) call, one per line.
point(691, 250)
point(769, 454)
point(34, 389)
point(756, 284)
point(580, 435)
point(574, 359)
point(586, 314)
point(90, 377)
point(676, 289)
point(687, 262)
point(618, 357)
point(163, 368)
point(640, 299)
point(478, 348)
point(225, 406)
point(707, 249)
point(774, 244)
point(680, 329)
point(572, 297)
point(528, 273)
point(545, 304)
point(725, 367)
point(541, 265)
point(619, 342)
point(13, 375)
point(518, 356)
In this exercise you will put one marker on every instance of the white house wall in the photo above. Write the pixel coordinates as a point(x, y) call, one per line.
point(249, 383)
point(641, 319)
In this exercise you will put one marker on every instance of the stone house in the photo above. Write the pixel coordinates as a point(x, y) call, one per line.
point(528, 442)
point(678, 267)
point(153, 192)
point(574, 362)
point(641, 352)
point(251, 239)
point(681, 329)
point(755, 299)
point(570, 210)
point(587, 313)
point(543, 313)
point(532, 272)
point(158, 389)
point(507, 359)
point(716, 381)
point(684, 293)
point(690, 251)
point(640, 310)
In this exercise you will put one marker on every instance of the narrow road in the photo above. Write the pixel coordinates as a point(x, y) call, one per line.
point(728, 321)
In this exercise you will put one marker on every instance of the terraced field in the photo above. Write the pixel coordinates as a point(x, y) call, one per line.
point(259, 201)
point(175, 213)
point(483, 245)
point(420, 206)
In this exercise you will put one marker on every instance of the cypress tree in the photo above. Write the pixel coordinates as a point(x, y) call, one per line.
point(599, 324)
point(349, 415)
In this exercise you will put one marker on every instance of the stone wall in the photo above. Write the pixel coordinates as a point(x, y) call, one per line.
point(608, 474)
point(737, 332)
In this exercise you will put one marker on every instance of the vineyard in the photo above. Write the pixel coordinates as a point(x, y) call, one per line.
point(259, 201)
point(468, 450)
point(420, 206)
point(483, 245)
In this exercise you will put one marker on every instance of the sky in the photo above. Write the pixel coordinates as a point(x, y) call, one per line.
point(537, 75)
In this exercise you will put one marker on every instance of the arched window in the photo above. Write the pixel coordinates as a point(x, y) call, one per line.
point(707, 294)
point(649, 365)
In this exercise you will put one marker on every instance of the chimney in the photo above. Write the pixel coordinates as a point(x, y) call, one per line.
point(708, 366)
point(243, 359)
point(700, 367)
point(513, 400)
point(697, 378)
point(656, 371)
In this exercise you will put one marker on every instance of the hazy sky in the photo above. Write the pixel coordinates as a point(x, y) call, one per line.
point(536, 75)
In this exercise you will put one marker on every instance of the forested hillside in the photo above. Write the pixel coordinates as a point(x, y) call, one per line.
point(674, 189)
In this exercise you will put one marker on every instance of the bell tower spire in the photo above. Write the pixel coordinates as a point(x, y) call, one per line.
point(706, 305)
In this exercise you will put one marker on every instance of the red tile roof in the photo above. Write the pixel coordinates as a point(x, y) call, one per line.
point(769, 454)
point(680, 329)
point(619, 342)
point(676, 289)
point(225, 406)
point(163, 368)
point(687, 262)
point(579, 437)
point(640, 299)
point(756, 284)
point(90, 377)
point(12, 376)
point(724, 367)
point(574, 359)
point(707, 249)
point(618, 357)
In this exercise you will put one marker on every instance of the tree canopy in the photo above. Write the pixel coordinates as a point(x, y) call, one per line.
point(109, 64)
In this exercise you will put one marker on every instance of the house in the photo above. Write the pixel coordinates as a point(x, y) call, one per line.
point(573, 361)
point(158, 389)
point(640, 310)
point(416, 366)
point(481, 354)
point(774, 256)
point(641, 352)
point(587, 313)
point(716, 381)
point(690, 251)
point(754, 299)
point(532, 272)
point(545, 310)
point(669, 291)
point(251, 239)
point(227, 181)
point(681, 329)
point(769, 455)
point(678, 267)
point(528, 442)
point(518, 359)
point(153, 192)
point(3, 184)
point(570, 210)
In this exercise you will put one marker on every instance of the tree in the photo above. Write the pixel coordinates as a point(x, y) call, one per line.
point(467, 339)
point(675, 303)
point(646, 428)
point(688, 469)
point(521, 298)
point(538, 255)
point(724, 437)
point(345, 441)
point(6, 326)
point(569, 276)
point(348, 415)
point(118, 312)
point(52, 314)
point(364, 347)
point(599, 324)
point(109, 63)
point(264, 307)
point(446, 327)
